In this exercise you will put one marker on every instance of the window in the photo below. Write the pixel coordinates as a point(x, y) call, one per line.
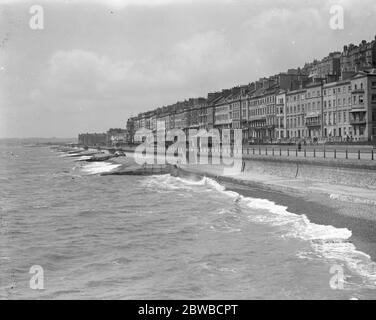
point(373, 84)
point(361, 100)
point(344, 116)
point(373, 97)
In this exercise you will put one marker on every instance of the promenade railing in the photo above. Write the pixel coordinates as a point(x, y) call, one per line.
point(311, 152)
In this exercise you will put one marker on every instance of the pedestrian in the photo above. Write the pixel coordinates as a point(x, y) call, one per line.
point(243, 166)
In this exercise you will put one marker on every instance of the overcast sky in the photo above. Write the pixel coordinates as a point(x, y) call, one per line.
point(96, 63)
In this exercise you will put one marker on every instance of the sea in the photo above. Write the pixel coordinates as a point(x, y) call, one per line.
point(93, 236)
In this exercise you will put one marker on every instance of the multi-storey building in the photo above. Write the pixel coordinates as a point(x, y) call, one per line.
point(206, 113)
point(312, 109)
point(245, 92)
point(234, 101)
point(130, 129)
point(357, 58)
point(222, 112)
point(328, 67)
point(295, 114)
point(363, 106)
point(179, 121)
point(281, 118)
point(163, 121)
point(194, 105)
point(336, 106)
point(92, 139)
point(326, 100)
point(262, 115)
point(116, 136)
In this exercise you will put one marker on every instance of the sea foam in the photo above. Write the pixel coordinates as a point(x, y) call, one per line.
point(99, 167)
point(326, 241)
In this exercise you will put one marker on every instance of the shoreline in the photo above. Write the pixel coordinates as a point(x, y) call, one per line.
point(324, 203)
point(318, 208)
point(340, 232)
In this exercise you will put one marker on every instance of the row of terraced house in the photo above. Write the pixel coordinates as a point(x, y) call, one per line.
point(333, 99)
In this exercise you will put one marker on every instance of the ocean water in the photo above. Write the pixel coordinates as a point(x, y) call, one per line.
point(160, 237)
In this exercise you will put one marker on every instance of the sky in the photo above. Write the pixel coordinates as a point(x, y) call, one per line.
point(96, 63)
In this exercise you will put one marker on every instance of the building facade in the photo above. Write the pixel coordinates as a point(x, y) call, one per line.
point(358, 58)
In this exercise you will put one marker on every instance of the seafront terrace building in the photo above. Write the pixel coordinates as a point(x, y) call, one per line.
point(92, 139)
point(295, 113)
point(336, 110)
point(206, 112)
point(281, 132)
point(320, 111)
point(263, 120)
point(358, 58)
point(312, 106)
point(363, 105)
point(222, 114)
point(328, 100)
point(328, 67)
point(116, 137)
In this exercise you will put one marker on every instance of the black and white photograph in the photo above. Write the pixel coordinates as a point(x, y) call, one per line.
point(187, 150)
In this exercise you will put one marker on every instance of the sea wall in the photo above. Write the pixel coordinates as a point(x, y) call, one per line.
point(351, 175)
point(359, 173)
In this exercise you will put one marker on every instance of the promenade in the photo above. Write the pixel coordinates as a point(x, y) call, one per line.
point(351, 152)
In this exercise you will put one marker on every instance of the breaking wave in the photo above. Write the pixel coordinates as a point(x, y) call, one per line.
point(326, 241)
point(99, 167)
